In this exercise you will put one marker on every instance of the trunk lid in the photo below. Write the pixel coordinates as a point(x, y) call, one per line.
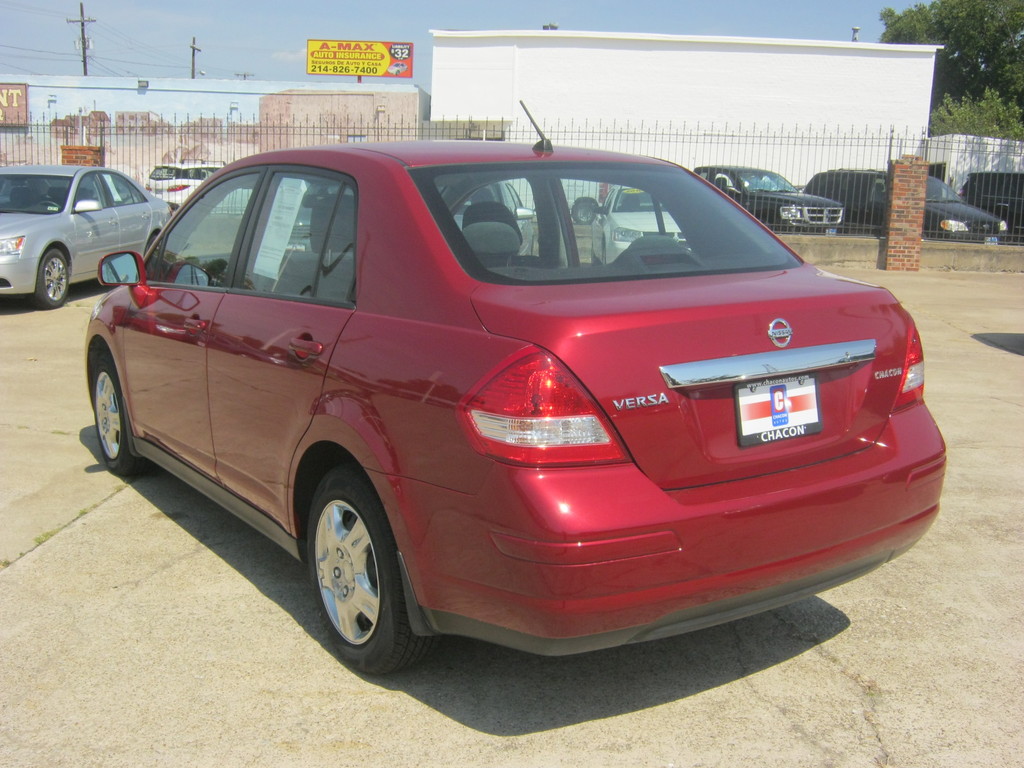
point(671, 362)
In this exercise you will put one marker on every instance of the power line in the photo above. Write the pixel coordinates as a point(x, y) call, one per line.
point(23, 8)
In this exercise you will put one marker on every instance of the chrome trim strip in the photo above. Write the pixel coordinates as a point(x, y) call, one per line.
point(727, 370)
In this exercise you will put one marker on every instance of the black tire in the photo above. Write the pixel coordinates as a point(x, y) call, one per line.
point(113, 428)
point(52, 280)
point(584, 210)
point(353, 566)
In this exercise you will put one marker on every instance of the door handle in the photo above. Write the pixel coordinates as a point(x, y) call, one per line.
point(194, 326)
point(305, 349)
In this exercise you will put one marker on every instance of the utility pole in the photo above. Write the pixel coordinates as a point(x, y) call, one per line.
point(84, 41)
point(244, 75)
point(195, 50)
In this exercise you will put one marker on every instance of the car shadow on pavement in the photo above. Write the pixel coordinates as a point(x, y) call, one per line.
point(1008, 342)
point(23, 305)
point(504, 692)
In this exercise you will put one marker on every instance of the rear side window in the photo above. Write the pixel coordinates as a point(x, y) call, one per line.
point(514, 224)
point(304, 242)
point(121, 191)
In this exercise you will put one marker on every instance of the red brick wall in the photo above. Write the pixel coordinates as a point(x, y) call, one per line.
point(908, 179)
point(82, 155)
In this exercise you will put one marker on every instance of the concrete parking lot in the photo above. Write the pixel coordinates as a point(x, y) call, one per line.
point(140, 625)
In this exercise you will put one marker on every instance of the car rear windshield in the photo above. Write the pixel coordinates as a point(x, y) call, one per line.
point(583, 222)
point(168, 172)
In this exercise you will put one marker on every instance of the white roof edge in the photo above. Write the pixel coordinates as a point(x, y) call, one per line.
point(766, 41)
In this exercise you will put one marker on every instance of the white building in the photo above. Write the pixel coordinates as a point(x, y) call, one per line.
point(566, 75)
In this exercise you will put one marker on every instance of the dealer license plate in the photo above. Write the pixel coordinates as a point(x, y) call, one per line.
point(777, 409)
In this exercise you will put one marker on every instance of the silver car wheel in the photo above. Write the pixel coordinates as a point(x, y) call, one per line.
point(347, 572)
point(55, 278)
point(108, 415)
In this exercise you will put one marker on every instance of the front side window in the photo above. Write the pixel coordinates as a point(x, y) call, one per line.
point(198, 247)
point(89, 188)
point(765, 181)
point(304, 243)
point(513, 223)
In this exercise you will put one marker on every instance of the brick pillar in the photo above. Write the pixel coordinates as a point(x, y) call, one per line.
point(908, 179)
point(82, 155)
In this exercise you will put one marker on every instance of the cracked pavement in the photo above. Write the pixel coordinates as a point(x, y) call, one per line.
point(141, 625)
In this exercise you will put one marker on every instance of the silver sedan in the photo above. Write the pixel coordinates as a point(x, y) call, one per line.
point(57, 221)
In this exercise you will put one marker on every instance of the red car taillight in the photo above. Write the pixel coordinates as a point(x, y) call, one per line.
point(912, 383)
point(534, 412)
point(178, 188)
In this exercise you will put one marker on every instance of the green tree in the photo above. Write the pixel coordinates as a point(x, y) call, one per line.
point(983, 50)
point(987, 116)
point(915, 25)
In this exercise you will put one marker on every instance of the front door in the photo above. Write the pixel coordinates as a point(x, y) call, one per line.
point(166, 340)
point(97, 232)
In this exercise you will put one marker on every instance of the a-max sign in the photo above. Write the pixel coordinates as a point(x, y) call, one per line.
point(13, 104)
point(358, 57)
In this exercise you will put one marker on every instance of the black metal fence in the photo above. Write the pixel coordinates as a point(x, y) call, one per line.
point(797, 155)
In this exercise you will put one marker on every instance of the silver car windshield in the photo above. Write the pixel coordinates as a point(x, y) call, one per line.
point(33, 193)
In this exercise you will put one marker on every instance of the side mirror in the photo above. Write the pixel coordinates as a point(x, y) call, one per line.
point(87, 206)
point(124, 268)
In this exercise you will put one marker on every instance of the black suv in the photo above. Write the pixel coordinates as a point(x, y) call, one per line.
point(1001, 193)
point(865, 197)
point(774, 200)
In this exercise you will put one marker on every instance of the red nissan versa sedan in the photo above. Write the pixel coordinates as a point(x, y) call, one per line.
point(468, 430)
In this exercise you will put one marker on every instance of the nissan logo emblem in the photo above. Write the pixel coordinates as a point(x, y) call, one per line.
point(779, 332)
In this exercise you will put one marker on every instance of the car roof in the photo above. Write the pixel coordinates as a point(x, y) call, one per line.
point(191, 164)
point(995, 174)
point(50, 170)
point(851, 171)
point(427, 153)
point(736, 168)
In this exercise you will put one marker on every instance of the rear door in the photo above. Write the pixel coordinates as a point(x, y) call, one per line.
point(276, 329)
point(134, 214)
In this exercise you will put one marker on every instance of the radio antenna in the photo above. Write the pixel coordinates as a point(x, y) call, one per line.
point(542, 147)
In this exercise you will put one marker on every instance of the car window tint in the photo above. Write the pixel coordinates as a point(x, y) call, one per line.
point(304, 244)
point(197, 249)
point(634, 221)
point(120, 190)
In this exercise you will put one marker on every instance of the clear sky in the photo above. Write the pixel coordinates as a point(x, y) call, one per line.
point(260, 39)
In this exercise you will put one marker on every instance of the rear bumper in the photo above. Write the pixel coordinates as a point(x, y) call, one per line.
point(571, 560)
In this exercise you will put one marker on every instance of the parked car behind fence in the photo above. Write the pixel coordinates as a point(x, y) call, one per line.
point(174, 182)
point(773, 200)
point(1001, 193)
point(864, 194)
